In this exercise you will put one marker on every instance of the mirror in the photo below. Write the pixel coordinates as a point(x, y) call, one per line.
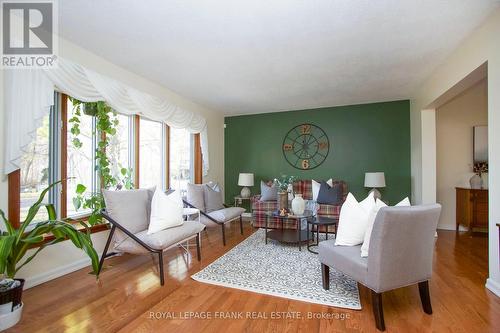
point(480, 144)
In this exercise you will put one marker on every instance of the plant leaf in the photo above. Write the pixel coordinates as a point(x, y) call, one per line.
point(6, 244)
point(34, 210)
point(80, 189)
point(10, 228)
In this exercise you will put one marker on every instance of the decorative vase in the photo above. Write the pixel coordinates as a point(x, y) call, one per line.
point(476, 182)
point(484, 177)
point(282, 200)
point(298, 204)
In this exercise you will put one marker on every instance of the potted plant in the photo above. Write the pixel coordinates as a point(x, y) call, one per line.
point(14, 244)
point(283, 183)
point(106, 123)
point(476, 182)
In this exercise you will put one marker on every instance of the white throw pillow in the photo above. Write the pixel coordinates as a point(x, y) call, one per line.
point(404, 203)
point(371, 220)
point(353, 220)
point(166, 211)
point(316, 186)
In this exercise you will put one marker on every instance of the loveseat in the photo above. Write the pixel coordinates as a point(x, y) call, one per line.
point(260, 209)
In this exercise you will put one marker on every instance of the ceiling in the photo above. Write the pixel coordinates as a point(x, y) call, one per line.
point(253, 56)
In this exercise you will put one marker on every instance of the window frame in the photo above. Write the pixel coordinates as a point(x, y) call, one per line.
point(58, 154)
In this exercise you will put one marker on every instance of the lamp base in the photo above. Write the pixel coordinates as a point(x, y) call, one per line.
point(245, 192)
point(376, 194)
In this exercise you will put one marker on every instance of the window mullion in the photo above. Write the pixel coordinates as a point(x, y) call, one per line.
point(54, 152)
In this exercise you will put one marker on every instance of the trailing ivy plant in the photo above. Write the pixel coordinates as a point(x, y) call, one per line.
point(106, 123)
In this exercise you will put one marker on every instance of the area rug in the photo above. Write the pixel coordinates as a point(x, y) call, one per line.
point(279, 270)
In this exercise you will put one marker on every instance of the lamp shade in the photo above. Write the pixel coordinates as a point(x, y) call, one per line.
point(245, 179)
point(374, 179)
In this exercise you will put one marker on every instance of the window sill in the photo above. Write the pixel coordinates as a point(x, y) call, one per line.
point(76, 222)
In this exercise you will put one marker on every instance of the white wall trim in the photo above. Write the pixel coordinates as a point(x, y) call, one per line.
point(493, 286)
point(452, 227)
point(429, 145)
point(35, 280)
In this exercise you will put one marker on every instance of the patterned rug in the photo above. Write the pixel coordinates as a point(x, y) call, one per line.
point(279, 270)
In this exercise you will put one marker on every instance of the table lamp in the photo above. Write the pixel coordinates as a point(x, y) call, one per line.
point(375, 180)
point(245, 180)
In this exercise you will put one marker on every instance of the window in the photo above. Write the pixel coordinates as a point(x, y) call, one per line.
point(151, 152)
point(181, 159)
point(119, 149)
point(35, 171)
point(138, 142)
point(80, 161)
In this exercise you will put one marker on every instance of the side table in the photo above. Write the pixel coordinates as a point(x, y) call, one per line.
point(317, 222)
point(238, 202)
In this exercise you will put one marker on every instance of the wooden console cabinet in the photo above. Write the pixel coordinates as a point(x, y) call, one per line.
point(472, 208)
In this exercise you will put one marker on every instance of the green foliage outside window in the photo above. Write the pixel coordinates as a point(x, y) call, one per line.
point(106, 124)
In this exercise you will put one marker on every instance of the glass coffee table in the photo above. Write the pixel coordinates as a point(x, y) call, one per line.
point(297, 236)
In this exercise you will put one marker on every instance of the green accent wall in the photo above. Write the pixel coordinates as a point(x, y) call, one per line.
point(363, 138)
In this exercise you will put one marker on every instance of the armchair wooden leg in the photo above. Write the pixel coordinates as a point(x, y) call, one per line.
point(423, 288)
point(378, 310)
point(325, 276)
point(198, 252)
point(223, 234)
point(101, 262)
point(160, 263)
point(241, 224)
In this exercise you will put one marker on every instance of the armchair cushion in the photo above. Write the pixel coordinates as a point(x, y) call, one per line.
point(345, 259)
point(226, 214)
point(213, 197)
point(130, 208)
point(196, 196)
point(166, 211)
point(353, 220)
point(160, 240)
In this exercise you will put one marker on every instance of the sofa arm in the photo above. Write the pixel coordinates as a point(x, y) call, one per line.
point(255, 198)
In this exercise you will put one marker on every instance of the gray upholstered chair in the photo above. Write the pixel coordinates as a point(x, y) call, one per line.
point(128, 212)
point(400, 254)
point(212, 214)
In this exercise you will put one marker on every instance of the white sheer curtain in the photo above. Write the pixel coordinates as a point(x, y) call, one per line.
point(29, 95)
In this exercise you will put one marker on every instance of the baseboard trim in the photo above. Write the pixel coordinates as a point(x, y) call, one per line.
point(35, 280)
point(493, 286)
point(451, 228)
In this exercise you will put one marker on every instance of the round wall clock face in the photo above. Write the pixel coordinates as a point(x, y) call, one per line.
point(306, 146)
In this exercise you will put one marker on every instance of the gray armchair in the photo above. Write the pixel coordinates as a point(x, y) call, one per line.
point(128, 213)
point(400, 254)
point(219, 214)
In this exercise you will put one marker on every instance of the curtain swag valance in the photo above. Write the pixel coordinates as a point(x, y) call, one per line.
point(29, 94)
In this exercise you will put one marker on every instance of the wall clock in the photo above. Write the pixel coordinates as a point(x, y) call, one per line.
point(306, 146)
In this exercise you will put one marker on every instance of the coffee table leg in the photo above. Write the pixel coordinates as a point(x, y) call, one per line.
point(326, 228)
point(307, 233)
point(317, 235)
point(299, 225)
point(267, 219)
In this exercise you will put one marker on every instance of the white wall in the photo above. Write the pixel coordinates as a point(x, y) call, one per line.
point(454, 124)
point(63, 258)
point(480, 47)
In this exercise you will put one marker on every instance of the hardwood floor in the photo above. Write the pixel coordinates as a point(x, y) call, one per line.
point(129, 298)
